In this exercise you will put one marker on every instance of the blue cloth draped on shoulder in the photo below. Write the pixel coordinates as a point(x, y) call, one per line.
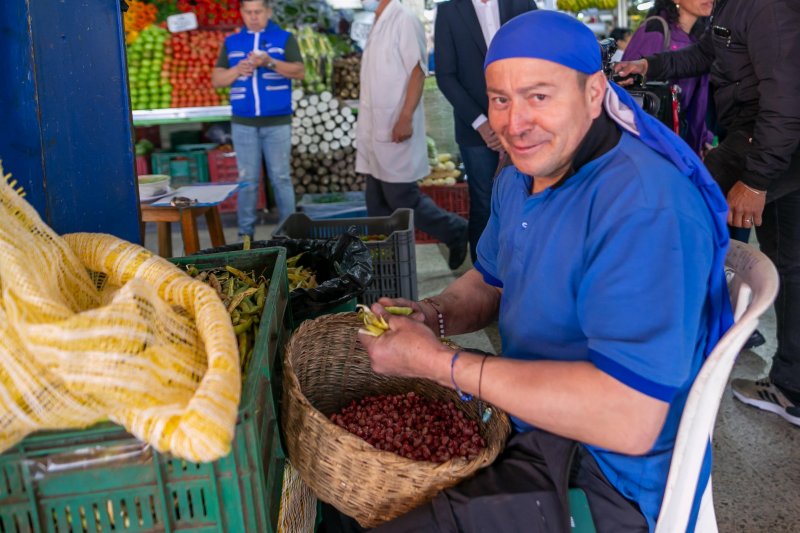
point(559, 38)
point(565, 40)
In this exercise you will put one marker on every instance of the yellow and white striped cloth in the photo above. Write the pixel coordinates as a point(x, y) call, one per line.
point(93, 328)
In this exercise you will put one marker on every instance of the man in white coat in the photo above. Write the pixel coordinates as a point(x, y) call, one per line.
point(391, 125)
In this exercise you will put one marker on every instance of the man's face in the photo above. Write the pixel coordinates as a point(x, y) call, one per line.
point(255, 14)
point(541, 111)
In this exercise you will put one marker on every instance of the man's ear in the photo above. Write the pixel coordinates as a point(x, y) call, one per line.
point(596, 86)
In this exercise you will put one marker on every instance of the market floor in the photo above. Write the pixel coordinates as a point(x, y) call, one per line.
point(756, 464)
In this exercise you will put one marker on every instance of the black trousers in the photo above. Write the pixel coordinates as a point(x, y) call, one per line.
point(383, 198)
point(779, 237)
point(524, 490)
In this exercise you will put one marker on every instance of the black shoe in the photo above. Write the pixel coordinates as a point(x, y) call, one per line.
point(755, 340)
point(458, 252)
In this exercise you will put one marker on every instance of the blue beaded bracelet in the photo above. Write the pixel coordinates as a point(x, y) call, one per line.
point(464, 397)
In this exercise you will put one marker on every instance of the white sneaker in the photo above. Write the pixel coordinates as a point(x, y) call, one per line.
point(764, 395)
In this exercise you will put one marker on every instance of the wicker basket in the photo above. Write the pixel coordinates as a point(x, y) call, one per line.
point(325, 368)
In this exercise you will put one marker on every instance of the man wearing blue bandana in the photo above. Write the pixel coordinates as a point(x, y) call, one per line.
point(603, 262)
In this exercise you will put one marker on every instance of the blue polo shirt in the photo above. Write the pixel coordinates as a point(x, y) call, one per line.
point(610, 267)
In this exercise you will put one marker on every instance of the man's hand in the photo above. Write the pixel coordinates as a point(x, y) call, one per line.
point(490, 137)
point(745, 206)
point(629, 68)
point(405, 350)
point(244, 68)
point(418, 313)
point(259, 59)
point(402, 129)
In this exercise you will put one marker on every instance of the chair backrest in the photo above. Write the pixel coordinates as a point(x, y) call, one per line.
point(753, 285)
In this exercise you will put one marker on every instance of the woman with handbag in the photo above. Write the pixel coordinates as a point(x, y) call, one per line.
point(672, 25)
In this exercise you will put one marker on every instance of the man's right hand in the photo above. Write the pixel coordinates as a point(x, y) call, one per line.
point(244, 68)
point(490, 137)
point(418, 314)
point(628, 68)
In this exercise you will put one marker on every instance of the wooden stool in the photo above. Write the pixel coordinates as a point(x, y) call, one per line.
point(164, 216)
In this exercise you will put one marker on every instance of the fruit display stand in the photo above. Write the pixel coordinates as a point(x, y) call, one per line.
point(103, 479)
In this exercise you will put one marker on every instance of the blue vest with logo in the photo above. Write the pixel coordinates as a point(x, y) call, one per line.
point(266, 93)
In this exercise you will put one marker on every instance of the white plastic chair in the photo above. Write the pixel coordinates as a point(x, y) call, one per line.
point(753, 285)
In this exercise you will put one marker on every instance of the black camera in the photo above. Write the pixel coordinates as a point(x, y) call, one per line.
point(656, 98)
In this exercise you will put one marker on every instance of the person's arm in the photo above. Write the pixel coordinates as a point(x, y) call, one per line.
point(693, 60)
point(413, 56)
point(640, 355)
point(644, 42)
point(572, 399)
point(287, 69)
point(222, 75)
point(403, 128)
point(773, 46)
point(445, 54)
point(467, 292)
point(690, 61)
point(292, 67)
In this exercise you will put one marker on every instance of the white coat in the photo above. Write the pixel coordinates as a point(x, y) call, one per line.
point(395, 46)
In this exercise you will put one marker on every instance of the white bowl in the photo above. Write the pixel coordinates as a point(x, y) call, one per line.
point(152, 184)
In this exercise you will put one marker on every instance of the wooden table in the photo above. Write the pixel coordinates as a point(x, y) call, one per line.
point(187, 216)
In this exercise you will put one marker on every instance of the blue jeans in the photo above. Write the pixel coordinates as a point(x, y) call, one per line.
point(275, 142)
point(480, 164)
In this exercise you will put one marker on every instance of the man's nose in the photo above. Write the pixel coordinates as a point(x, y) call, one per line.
point(518, 121)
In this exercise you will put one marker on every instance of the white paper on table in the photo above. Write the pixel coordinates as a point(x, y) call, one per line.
point(206, 195)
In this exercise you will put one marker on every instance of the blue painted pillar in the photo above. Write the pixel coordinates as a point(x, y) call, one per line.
point(66, 131)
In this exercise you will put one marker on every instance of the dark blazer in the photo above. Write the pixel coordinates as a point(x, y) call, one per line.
point(459, 51)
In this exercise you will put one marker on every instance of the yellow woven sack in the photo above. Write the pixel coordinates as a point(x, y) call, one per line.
point(298, 511)
point(150, 348)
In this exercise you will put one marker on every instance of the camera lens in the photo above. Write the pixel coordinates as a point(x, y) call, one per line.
point(651, 104)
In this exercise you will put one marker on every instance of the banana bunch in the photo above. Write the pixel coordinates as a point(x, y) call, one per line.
point(375, 325)
point(580, 5)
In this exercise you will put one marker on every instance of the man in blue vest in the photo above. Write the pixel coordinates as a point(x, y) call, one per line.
point(258, 64)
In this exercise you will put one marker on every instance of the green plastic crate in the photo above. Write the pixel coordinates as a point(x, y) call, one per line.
point(184, 168)
point(102, 479)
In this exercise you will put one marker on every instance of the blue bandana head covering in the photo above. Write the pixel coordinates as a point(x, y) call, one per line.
point(564, 40)
point(550, 35)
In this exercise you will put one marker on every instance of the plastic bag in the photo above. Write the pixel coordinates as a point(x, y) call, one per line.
point(343, 270)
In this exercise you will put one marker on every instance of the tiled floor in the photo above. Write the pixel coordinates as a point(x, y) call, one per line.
point(757, 454)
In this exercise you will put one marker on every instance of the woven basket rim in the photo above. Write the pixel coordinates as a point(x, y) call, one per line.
point(348, 438)
point(368, 483)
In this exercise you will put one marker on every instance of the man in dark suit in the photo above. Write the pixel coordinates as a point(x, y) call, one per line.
point(464, 29)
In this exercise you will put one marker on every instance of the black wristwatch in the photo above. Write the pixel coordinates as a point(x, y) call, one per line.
point(271, 65)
